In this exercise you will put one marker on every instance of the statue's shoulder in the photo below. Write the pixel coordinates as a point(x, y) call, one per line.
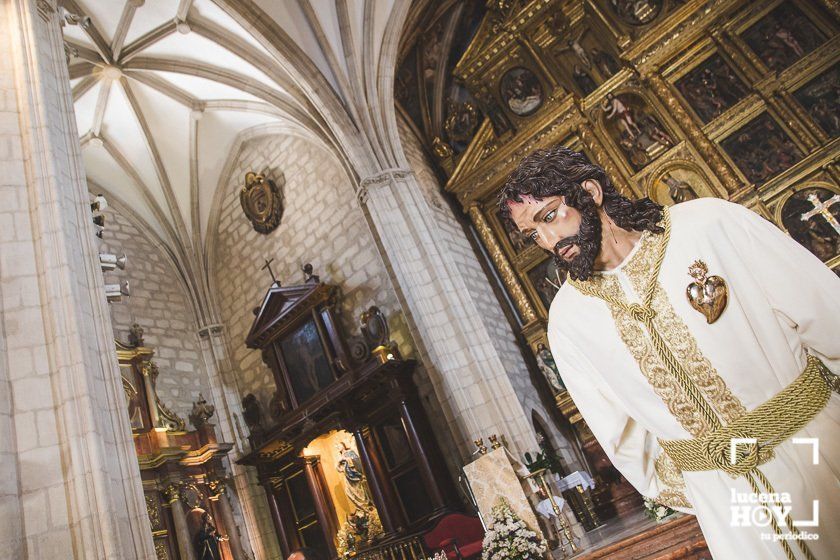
point(702, 213)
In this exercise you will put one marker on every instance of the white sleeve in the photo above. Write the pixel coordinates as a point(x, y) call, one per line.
point(631, 448)
point(799, 287)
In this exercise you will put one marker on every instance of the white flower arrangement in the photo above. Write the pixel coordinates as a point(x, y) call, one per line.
point(657, 511)
point(509, 538)
point(437, 556)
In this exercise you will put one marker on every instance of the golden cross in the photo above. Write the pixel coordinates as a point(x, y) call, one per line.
point(821, 208)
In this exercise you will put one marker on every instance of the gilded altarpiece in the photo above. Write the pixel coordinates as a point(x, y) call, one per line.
point(675, 99)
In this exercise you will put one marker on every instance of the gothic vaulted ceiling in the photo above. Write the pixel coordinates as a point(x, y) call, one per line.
point(165, 90)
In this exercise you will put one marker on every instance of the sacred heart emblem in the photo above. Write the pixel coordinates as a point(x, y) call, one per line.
point(707, 294)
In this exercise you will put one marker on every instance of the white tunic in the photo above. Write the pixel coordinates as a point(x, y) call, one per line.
point(782, 302)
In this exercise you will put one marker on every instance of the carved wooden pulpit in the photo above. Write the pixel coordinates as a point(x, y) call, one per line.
point(347, 458)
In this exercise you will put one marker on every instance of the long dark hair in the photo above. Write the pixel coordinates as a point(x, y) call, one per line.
point(559, 171)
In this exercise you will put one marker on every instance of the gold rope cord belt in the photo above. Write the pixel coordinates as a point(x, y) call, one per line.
point(770, 424)
point(717, 443)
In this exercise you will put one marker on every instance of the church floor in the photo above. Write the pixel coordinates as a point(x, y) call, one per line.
point(636, 537)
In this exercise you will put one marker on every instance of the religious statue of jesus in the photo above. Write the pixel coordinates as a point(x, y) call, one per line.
point(701, 345)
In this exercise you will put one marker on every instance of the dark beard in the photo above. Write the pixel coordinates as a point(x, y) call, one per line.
point(588, 240)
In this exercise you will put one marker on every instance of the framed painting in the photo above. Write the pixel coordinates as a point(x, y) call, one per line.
point(821, 99)
point(635, 128)
point(517, 240)
point(711, 88)
point(306, 362)
point(546, 280)
point(783, 36)
point(521, 91)
point(761, 149)
point(812, 217)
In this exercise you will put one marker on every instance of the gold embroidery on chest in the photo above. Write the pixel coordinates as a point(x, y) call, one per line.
point(682, 343)
point(663, 383)
point(678, 338)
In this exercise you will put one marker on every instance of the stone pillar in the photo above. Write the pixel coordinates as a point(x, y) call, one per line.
point(251, 515)
point(491, 242)
point(472, 363)
point(67, 461)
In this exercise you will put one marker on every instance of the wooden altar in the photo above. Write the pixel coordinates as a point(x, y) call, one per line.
point(348, 461)
point(181, 470)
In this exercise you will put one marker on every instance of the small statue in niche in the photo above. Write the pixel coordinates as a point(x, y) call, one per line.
point(604, 62)
point(207, 539)
point(355, 485)
point(309, 277)
point(545, 361)
point(252, 414)
point(135, 335)
point(201, 412)
point(678, 190)
point(579, 51)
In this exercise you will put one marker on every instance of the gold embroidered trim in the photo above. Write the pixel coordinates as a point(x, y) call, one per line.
point(673, 499)
point(671, 477)
point(679, 340)
point(668, 472)
point(663, 383)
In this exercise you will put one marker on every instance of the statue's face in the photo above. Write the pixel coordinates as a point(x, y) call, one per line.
point(547, 222)
point(566, 232)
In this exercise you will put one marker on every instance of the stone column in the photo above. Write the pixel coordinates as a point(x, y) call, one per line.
point(520, 298)
point(475, 360)
point(708, 151)
point(172, 494)
point(70, 482)
point(249, 506)
point(221, 497)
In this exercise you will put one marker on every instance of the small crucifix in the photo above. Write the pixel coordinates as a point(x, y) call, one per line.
point(822, 208)
point(268, 266)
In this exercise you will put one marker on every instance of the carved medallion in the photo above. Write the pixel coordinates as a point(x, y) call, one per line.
point(260, 199)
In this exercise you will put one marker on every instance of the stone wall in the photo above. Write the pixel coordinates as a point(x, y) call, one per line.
point(158, 303)
point(322, 224)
